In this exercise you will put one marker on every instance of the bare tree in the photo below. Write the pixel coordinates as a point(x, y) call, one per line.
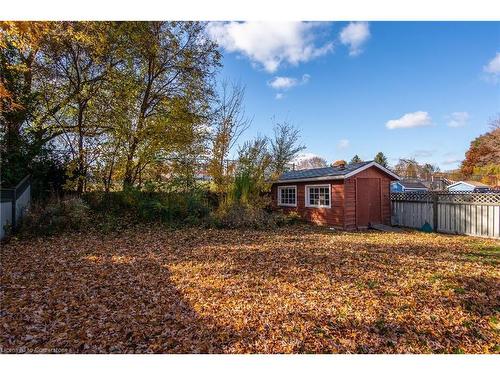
point(312, 162)
point(495, 122)
point(284, 146)
point(230, 122)
point(411, 169)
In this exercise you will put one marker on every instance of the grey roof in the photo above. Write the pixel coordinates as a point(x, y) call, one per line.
point(412, 184)
point(476, 184)
point(336, 172)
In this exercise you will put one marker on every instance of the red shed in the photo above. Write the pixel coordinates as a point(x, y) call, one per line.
point(352, 196)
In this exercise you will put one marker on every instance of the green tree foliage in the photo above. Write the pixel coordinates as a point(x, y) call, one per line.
point(20, 45)
point(116, 99)
point(355, 159)
point(132, 109)
point(381, 159)
point(81, 62)
point(254, 162)
point(172, 65)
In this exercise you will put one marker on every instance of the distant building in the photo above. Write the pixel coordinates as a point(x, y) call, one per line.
point(202, 175)
point(472, 186)
point(408, 187)
point(438, 183)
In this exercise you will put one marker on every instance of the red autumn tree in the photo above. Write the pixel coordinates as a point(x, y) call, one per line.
point(484, 150)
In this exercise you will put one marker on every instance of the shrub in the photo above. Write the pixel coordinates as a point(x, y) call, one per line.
point(57, 215)
point(292, 217)
point(246, 216)
point(132, 206)
point(247, 205)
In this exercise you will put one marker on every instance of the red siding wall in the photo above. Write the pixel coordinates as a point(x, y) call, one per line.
point(342, 214)
point(350, 191)
point(333, 216)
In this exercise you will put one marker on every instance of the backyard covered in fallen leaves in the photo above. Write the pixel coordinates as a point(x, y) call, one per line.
point(298, 289)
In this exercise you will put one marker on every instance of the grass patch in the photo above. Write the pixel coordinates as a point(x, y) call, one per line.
point(486, 253)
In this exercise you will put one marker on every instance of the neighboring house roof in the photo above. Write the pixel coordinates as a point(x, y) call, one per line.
point(331, 173)
point(412, 184)
point(475, 184)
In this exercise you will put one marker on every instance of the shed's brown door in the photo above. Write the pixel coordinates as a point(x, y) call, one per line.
point(368, 202)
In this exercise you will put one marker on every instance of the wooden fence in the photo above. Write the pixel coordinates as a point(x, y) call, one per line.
point(473, 214)
point(13, 203)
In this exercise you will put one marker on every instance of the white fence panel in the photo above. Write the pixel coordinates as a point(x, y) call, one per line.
point(6, 217)
point(14, 203)
point(473, 214)
point(22, 203)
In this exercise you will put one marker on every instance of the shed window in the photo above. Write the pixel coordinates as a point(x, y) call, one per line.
point(287, 196)
point(318, 196)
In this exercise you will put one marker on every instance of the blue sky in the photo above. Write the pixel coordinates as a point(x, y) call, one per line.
point(408, 89)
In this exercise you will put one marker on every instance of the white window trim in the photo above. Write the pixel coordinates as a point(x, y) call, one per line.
point(279, 196)
point(307, 187)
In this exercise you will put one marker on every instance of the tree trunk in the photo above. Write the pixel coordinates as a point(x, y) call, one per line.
point(81, 152)
point(128, 179)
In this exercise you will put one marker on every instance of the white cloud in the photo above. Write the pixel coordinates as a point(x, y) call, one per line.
point(451, 161)
point(492, 69)
point(355, 35)
point(270, 44)
point(279, 96)
point(282, 83)
point(493, 66)
point(423, 153)
point(343, 144)
point(285, 83)
point(458, 119)
point(410, 120)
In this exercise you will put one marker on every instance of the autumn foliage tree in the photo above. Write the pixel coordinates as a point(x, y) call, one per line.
point(170, 61)
point(339, 163)
point(484, 152)
point(114, 98)
point(81, 64)
point(116, 105)
point(20, 46)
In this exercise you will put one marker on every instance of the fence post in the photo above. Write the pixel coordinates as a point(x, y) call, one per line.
point(14, 206)
point(435, 211)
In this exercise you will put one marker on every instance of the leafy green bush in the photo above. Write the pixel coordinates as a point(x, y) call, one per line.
point(57, 215)
point(290, 218)
point(246, 205)
point(246, 216)
point(134, 206)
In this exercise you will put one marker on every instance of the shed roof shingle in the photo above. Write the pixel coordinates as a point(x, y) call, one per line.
point(336, 172)
point(412, 184)
point(476, 184)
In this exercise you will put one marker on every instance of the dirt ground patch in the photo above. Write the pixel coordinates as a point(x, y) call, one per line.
point(298, 289)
